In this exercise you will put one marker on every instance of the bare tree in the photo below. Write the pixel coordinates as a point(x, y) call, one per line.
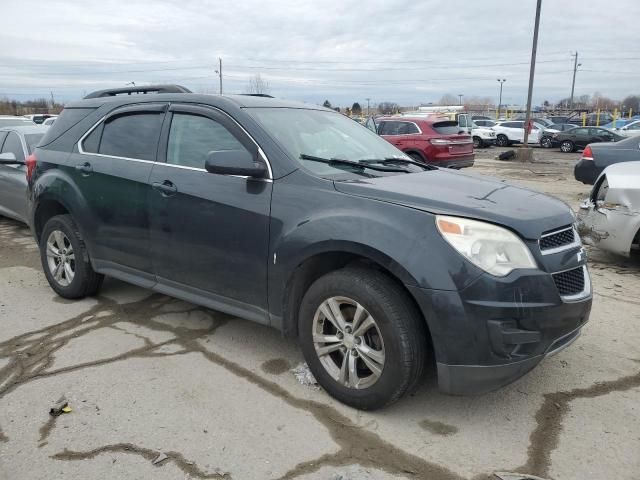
point(257, 85)
point(448, 99)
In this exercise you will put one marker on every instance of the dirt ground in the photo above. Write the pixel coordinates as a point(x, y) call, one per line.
point(167, 390)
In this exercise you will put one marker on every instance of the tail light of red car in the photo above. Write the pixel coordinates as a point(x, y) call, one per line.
point(30, 162)
point(587, 154)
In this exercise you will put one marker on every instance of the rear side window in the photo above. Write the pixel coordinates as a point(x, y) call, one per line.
point(398, 128)
point(13, 145)
point(132, 136)
point(67, 119)
point(192, 137)
point(446, 127)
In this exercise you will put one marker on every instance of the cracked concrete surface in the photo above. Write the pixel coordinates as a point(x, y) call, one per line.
point(146, 374)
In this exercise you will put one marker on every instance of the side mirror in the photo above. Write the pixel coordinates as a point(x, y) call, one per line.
point(9, 158)
point(235, 162)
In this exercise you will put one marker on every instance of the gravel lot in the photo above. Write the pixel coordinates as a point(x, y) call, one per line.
point(203, 395)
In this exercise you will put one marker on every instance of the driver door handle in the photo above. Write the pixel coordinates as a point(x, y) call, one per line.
point(167, 188)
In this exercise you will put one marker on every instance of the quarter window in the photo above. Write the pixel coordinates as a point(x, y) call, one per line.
point(192, 137)
point(132, 136)
point(14, 145)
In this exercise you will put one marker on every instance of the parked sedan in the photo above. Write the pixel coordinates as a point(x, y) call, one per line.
point(630, 130)
point(16, 144)
point(580, 137)
point(597, 157)
point(610, 217)
point(547, 140)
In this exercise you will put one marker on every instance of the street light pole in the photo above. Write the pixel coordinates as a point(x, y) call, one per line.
point(367, 99)
point(527, 154)
point(460, 95)
point(573, 83)
point(500, 100)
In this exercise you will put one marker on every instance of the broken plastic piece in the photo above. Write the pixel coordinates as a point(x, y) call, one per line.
point(160, 458)
point(59, 408)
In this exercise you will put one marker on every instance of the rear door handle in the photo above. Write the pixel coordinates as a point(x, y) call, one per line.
point(167, 188)
point(85, 168)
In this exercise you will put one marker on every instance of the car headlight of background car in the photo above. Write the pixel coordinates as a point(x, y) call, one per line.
point(494, 249)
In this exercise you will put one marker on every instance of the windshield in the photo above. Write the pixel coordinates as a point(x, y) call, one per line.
point(323, 134)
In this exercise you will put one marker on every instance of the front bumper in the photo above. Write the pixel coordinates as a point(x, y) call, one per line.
point(498, 329)
point(586, 171)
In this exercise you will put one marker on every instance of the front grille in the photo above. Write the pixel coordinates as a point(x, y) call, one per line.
point(570, 282)
point(557, 239)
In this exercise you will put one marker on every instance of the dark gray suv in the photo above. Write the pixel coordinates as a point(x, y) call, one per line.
point(294, 216)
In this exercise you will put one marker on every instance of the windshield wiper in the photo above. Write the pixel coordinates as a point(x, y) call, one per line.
point(392, 160)
point(359, 165)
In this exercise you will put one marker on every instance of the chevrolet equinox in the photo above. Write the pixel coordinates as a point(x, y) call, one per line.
point(297, 217)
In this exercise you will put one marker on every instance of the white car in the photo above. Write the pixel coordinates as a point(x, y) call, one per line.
point(512, 131)
point(610, 217)
point(629, 130)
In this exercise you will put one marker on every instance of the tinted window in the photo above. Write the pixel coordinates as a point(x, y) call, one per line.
point(446, 127)
point(32, 140)
point(634, 126)
point(407, 128)
point(392, 128)
point(92, 142)
point(14, 145)
point(67, 119)
point(132, 136)
point(580, 131)
point(192, 137)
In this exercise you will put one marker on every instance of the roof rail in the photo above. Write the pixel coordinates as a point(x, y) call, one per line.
point(263, 95)
point(112, 92)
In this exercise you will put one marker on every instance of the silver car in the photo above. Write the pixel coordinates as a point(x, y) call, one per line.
point(16, 144)
point(610, 217)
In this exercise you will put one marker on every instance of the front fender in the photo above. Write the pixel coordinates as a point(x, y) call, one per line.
point(309, 218)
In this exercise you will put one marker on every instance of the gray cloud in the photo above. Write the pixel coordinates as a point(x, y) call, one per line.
point(343, 50)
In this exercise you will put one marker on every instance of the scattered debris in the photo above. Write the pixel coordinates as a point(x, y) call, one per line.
point(59, 408)
point(160, 458)
point(508, 155)
point(304, 375)
point(516, 476)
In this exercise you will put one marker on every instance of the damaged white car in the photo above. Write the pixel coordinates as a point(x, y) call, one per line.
point(610, 217)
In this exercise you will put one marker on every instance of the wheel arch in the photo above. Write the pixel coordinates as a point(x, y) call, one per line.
point(314, 266)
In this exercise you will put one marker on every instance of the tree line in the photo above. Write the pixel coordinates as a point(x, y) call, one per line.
point(16, 107)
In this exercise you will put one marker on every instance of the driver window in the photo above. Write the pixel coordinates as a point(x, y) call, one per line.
point(192, 137)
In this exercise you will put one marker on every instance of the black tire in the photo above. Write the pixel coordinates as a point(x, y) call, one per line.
point(416, 156)
point(85, 281)
point(502, 140)
point(477, 142)
point(399, 323)
point(545, 142)
point(567, 146)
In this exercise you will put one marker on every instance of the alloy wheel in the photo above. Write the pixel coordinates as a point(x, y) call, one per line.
point(61, 259)
point(348, 342)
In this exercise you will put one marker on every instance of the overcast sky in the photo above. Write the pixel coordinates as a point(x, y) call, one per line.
point(342, 50)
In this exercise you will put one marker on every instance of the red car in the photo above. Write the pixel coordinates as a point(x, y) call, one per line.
point(432, 140)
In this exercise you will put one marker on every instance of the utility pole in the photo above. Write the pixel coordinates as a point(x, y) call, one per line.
point(53, 102)
point(367, 99)
point(573, 83)
point(219, 71)
point(527, 153)
point(500, 100)
point(460, 95)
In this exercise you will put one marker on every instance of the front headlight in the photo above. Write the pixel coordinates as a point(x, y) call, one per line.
point(494, 249)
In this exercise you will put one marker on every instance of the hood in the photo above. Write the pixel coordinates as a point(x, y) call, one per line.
point(449, 192)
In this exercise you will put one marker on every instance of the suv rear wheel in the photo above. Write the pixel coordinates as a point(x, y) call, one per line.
point(502, 140)
point(362, 337)
point(65, 260)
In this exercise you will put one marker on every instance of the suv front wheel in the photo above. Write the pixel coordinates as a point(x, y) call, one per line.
point(65, 260)
point(362, 337)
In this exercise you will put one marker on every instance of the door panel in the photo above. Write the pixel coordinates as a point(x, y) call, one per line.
point(212, 232)
point(113, 173)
